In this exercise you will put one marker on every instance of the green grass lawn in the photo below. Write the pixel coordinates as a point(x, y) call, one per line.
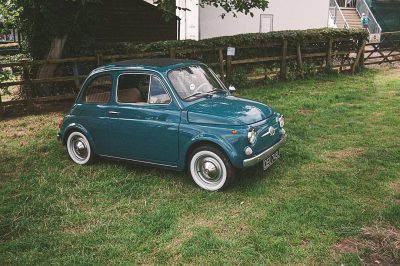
point(330, 199)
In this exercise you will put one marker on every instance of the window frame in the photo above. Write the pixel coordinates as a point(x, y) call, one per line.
point(148, 94)
point(194, 65)
point(89, 82)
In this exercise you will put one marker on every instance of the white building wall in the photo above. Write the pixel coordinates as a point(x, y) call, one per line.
point(189, 23)
point(287, 15)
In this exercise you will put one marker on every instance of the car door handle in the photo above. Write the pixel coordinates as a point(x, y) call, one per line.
point(113, 113)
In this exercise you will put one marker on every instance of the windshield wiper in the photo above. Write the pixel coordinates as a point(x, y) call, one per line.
point(216, 90)
point(196, 94)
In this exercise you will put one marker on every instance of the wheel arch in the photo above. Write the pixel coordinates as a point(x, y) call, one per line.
point(227, 151)
point(76, 127)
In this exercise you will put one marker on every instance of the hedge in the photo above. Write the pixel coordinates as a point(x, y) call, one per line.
point(253, 39)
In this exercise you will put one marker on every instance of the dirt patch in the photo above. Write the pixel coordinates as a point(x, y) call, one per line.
point(350, 152)
point(73, 230)
point(395, 186)
point(305, 243)
point(378, 114)
point(375, 245)
point(304, 112)
point(347, 104)
point(23, 127)
point(347, 245)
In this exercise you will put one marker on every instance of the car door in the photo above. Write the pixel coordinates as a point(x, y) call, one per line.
point(91, 110)
point(144, 120)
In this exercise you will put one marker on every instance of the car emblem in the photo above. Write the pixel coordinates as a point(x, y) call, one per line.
point(271, 131)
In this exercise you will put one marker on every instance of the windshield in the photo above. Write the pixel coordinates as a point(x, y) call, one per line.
point(192, 82)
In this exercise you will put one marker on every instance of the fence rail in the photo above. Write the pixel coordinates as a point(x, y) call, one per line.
point(288, 56)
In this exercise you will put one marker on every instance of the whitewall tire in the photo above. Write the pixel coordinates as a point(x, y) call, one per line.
point(79, 149)
point(210, 168)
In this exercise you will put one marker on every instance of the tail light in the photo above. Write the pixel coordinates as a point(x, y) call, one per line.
point(59, 123)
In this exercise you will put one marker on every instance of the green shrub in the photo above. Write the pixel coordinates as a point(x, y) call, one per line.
point(352, 38)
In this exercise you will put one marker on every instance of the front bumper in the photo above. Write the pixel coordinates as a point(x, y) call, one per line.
point(265, 154)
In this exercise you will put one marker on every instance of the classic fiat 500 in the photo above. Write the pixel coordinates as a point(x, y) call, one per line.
point(171, 113)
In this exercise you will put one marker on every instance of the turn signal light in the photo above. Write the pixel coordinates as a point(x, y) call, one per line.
point(59, 123)
point(234, 131)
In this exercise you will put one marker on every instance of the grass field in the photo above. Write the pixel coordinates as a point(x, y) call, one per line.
point(333, 198)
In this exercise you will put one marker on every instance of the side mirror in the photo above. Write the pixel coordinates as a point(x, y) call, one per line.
point(232, 88)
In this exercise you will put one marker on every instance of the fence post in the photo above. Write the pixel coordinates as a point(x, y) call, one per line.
point(362, 57)
point(27, 86)
point(99, 59)
point(221, 64)
point(282, 75)
point(357, 60)
point(228, 68)
point(75, 71)
point(172, 53)
point(300, 61)
point(1, 106)
point(329, 54)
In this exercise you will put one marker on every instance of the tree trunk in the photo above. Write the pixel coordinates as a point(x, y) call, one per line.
point(47, 70)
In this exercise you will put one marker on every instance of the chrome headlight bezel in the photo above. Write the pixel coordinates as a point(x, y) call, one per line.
point(252, 136)
point(281, 121)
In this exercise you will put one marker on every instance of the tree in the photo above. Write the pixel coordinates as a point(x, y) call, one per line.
point(229, 6)
point(9, 14)
point(48, 25)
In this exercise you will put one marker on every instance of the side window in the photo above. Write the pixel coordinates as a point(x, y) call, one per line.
point(158, 95)
point(99, 90)
point(141, 88)
point(133, 88)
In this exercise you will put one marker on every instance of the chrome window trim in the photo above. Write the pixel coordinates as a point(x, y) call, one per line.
point(140, 68)
point(148, 94)
point(139, 161)
point(212, 73)
point(81, 97)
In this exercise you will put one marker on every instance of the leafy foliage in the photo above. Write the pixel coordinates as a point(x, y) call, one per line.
point(43, 20)
point(351, 39)
point(9, 11)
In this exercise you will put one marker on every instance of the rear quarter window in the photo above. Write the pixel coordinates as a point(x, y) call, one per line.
point(98, 90)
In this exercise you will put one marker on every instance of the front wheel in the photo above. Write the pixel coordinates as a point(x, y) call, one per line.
point(79, 149)
point(210, 168)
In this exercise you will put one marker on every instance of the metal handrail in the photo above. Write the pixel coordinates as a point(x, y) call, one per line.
point(347, 3)
point(373, 25)
point(333, 6)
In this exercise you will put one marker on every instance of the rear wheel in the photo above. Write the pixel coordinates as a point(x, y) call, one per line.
point(210, 168)
point(79, 149)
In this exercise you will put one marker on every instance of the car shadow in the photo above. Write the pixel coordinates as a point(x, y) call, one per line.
point(246, 180)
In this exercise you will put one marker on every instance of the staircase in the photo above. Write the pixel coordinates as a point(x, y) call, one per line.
point(352, 18)
point(347, 14)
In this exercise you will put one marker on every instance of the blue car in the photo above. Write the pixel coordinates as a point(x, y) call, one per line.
point(171, 113)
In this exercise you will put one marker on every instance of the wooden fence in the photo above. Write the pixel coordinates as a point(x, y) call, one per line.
point(387, 51)
point(288, 55)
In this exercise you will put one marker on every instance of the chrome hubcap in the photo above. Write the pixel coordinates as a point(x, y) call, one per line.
point(209, 169)
point(79, 147)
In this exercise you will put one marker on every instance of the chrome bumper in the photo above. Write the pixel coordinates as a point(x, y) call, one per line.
point(265, 154)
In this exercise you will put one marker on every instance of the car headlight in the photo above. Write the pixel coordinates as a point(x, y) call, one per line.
point(252, 136)
point(281, 121)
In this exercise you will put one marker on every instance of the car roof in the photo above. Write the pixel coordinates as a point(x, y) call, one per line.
point(158, 64)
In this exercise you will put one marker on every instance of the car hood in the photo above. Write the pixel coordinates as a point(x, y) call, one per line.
point(229, 110)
